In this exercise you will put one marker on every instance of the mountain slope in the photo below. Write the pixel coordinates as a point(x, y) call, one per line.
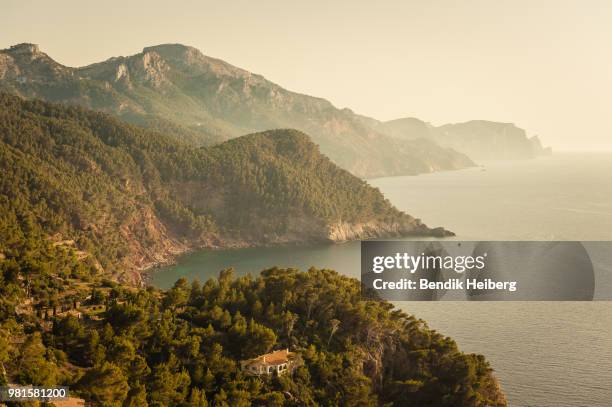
point(479, 139)
point(132, 198)
point(205, 100)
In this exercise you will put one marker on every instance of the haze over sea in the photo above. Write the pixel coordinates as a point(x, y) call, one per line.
point(546, 354)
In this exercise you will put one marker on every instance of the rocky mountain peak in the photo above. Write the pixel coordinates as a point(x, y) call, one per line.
point(25, 49)
point(174, 51)
point(26, 62)
point(192, 61)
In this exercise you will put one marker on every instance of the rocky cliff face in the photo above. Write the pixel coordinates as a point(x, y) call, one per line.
point(165, 245)
point(346, 231)
point(25, 63)
point(479, 139)
point(206, 100)
point(485, 140)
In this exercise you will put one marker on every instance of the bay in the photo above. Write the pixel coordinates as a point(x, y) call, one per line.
point(556, 354)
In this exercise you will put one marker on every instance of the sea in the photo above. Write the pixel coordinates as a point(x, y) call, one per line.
point(545, 354)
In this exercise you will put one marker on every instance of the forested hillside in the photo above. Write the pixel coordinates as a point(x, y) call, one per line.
point(128, 198)
point(118, 346)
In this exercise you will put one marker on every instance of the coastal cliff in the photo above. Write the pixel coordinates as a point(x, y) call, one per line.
point(479, 139)
point(344, 231)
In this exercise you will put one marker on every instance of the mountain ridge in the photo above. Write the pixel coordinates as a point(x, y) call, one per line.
point(206, 100)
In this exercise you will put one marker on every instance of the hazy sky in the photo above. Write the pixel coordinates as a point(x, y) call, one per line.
point(544, 65)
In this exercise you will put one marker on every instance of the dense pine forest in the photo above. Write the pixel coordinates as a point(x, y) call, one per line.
point(115, 345)
point(83, 196)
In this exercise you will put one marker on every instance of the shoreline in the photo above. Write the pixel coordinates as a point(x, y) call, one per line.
point(146, 272)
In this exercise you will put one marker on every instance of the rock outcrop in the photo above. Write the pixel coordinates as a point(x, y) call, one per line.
point(345, 231)
point(486, 140)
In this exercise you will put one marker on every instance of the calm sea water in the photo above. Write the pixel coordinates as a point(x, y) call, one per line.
point(546, 354)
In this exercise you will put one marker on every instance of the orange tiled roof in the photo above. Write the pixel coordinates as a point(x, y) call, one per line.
point(274, 358)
